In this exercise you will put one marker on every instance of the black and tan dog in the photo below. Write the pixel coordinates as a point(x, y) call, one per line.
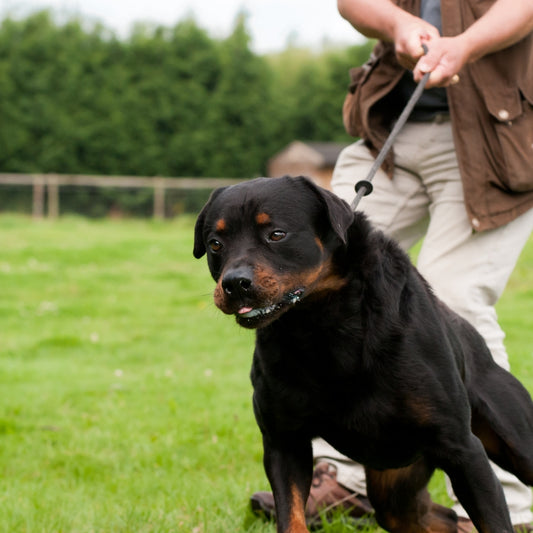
point(353, 346)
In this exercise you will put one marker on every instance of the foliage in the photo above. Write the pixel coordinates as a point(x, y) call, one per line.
point(168, 101)
point(311, 96)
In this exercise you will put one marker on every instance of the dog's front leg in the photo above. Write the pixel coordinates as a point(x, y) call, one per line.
point(288, 464)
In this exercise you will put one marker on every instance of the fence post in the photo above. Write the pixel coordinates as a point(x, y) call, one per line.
point(53, 196)
point(159, 198)
point(38, 197)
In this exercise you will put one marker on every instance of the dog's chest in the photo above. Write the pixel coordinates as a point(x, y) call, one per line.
point(370, 428)
point(360, 413)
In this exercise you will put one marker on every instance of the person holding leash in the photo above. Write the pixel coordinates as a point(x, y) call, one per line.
point(459, 176)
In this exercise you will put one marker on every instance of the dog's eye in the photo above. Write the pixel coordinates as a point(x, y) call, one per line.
point(215, 245)
point(277, 235)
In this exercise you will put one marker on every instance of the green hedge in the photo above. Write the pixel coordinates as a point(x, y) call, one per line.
point(165, 101)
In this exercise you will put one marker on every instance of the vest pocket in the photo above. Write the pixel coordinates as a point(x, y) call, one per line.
point(513, 125)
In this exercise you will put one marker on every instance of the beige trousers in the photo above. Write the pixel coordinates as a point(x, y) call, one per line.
point(467, 270)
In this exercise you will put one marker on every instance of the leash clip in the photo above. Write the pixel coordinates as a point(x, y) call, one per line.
point(367, 186)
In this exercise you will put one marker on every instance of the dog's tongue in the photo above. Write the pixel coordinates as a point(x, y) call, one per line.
point(244, 310)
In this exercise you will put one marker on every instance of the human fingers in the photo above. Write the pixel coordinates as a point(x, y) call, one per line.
point(440, 78)
point(409, 41)
point(444, 60)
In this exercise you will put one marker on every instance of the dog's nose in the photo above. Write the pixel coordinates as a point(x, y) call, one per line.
point(237, 282)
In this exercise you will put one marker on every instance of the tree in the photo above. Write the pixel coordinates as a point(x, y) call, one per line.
point(241, 113)
point(168, 101)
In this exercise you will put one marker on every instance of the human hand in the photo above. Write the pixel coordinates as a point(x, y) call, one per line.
point(445, 58)
point(409, 38)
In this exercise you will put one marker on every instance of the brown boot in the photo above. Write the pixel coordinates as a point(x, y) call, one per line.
point(326, 499)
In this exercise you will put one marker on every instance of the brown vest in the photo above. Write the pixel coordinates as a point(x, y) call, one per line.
point(491, 110)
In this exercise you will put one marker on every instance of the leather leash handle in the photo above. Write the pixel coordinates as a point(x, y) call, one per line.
point(364, 187)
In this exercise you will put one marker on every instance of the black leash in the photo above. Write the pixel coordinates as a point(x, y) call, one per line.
point(364, 187)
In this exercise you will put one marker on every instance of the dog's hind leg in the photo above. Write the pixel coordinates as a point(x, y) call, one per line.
point(403, 504)
point(473, 481)
point(502, 418)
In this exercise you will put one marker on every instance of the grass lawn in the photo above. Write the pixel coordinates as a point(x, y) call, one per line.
point(125, 393)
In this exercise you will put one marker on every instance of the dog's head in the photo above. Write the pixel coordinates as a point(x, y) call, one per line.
point(269, 243)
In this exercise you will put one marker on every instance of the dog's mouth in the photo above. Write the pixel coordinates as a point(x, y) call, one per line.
point(250, 317)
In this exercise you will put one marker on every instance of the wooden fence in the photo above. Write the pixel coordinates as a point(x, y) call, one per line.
point(46, 187)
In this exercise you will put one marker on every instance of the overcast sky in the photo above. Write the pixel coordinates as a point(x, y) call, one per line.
point(270, 22)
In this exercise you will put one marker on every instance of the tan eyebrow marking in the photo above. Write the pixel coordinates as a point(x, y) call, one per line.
point(220, 225)
point(262, 219)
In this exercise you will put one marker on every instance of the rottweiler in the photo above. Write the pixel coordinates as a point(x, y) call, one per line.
point(353, 346)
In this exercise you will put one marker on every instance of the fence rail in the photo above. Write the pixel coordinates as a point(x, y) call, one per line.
point(46, 187)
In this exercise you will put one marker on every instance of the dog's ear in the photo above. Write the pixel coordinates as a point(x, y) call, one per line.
point(339, 213)
point(199, 245)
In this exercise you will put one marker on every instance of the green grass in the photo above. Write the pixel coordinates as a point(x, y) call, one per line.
point(125, 393)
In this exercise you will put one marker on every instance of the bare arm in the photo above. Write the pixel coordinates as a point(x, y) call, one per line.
point(506, 22)
point(382, 19)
